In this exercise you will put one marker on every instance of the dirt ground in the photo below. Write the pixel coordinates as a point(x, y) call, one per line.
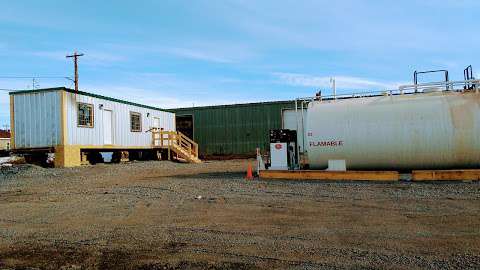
point(164, 215)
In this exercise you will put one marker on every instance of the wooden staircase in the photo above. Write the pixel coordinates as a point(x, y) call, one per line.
point(176, 142)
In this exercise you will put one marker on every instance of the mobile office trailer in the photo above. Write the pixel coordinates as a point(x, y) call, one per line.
point(71, 124)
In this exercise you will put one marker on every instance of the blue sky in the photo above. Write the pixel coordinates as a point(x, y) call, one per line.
point(179, 53)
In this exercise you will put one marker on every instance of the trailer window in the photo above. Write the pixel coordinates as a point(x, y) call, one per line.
point(85, 115)
point(135, 122)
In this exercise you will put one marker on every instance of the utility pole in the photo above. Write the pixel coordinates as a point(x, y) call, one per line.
point(34, 83)
point(75, 62)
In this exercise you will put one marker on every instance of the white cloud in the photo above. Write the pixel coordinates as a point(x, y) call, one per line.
point(216, 52)
point(352, 26)
point(149, 97)
point(93, 58)
point(163, 90)
point(155, 97)
point(342, 82)
point(53, 55)
point(199, 55)
point(103, 57)
point(206, 51)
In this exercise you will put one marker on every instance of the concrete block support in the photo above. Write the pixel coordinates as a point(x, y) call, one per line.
point(67, 156)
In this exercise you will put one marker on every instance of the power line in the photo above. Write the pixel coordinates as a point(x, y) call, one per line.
point(36, 77)
point(33, 78)
point(9, 90)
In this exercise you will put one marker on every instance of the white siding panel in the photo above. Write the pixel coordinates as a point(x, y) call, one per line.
point(37, 119)
point(122, 136)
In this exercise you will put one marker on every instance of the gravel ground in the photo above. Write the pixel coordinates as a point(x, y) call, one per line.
point(164, 215)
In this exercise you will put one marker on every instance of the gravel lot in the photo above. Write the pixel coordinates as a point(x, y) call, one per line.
point(164, 215)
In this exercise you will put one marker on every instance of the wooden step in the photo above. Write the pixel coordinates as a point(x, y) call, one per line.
point(177, 142)
point(184, 153)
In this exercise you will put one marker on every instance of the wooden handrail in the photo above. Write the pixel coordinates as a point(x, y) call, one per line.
point(192, 143)
point(186, 137)
point(174, 137)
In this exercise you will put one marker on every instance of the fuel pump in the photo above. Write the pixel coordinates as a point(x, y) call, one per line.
point(283, 149)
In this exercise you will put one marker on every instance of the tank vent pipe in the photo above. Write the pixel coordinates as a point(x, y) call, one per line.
point(334, 88)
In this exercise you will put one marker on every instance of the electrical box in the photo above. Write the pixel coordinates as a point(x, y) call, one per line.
point(283, 149)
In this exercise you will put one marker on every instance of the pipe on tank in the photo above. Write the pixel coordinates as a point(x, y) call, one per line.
point(303, 127)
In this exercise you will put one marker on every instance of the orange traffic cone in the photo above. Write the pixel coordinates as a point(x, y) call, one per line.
point(249, 172)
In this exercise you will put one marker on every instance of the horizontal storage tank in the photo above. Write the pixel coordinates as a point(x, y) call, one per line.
point(438, 130)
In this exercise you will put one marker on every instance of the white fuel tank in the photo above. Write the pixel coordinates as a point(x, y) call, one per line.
point(438, 130)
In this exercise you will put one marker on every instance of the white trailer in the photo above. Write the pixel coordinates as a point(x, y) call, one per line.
point(67, 123)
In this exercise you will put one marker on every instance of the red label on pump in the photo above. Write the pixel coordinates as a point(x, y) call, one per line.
point(278, 146)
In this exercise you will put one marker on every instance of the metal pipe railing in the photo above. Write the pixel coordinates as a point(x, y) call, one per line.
point(416, 73)
point(450, 85)
point(402, 90)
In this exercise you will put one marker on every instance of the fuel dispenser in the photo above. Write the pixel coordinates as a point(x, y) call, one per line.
point(283, 149)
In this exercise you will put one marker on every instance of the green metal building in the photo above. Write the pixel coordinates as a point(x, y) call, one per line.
point(231, 129)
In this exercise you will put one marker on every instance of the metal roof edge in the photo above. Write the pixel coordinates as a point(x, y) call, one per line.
point(36, 90)
point(233, 105)
point(87, 94)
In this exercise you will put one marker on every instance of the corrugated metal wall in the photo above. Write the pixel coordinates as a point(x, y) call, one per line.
point(235, 129)
point(37, 119)
point(122, 136)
